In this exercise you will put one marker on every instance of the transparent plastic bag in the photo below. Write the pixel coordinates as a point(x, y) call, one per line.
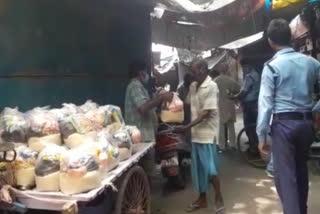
point(89, 106)
point(14, 126)
point(48, 160)
point(135, 134)
point(77, 129)
point(122, 140)
point(175, 105)
point(42, 122)
point(44, 129)
point(70, 109)
point(173, 112)
point(79, 172)
point(47, 169)
point(113, 115)
point(24, 167)
point(97, 117)
point(106, 154)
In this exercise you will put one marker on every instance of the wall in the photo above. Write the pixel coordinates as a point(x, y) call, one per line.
point(56, 51)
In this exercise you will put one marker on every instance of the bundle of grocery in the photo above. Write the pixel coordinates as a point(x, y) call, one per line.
point(44, 129)
point(24, 167)
point(173, 112)
point(77, 129)
point(135, 134)
point(122, 140)
point(106, 154)
point(95, 140)
point(113, 117)
point(14, 126)
point(79, 172)
point(47, 169)
point(88, 106)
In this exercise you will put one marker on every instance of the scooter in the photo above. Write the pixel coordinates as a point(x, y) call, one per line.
point(174, 154)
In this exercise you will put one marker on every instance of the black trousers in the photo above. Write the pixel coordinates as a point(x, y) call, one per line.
point(291, 140)
point(250, 115)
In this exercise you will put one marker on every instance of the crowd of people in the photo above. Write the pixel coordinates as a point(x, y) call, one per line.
point(277, 102)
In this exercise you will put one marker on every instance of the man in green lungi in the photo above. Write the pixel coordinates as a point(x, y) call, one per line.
point(203, 95)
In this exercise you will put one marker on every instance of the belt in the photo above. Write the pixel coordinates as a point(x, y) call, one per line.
point(293, 116)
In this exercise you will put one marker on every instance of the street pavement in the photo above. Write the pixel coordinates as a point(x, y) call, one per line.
point(246, 190)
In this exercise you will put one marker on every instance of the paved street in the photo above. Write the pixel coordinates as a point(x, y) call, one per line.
point(246, 191)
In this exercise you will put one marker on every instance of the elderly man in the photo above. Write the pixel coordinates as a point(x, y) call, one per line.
point(140, 108)
point(288, 80)
point(226, 108)
point(202, 97)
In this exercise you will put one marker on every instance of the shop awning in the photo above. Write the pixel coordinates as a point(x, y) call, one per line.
point(207, 24)
point(243, 42)
point(193, 6)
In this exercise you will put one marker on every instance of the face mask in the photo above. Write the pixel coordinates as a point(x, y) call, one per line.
point(146, 79)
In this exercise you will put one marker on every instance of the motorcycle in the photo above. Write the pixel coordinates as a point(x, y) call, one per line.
point(174, 154)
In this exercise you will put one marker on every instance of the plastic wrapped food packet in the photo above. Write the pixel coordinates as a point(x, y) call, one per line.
point(44, 129)
point(113, 115)
point(76, 130)
point(70, 109)
point(122, 140)
point(89, 106)
point(97, 117)
point(79, 172)
point(24, 167)
point(14, 126)
point(173, 112)
point(47, 169)
point(135, 134)
point(106, 154)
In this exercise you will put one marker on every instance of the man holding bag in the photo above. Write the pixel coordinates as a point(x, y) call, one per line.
point(140, 108)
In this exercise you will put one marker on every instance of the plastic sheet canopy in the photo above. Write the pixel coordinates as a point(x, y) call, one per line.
point(278, 4)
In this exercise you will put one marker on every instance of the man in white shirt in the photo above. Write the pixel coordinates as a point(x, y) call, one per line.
point(203, 95)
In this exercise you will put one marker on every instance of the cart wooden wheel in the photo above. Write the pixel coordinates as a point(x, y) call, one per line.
point(134, 196)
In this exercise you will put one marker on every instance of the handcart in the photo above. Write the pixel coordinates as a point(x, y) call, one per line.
point(128, 183)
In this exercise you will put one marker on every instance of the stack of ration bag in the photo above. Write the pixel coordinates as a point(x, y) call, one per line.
point(70, 149)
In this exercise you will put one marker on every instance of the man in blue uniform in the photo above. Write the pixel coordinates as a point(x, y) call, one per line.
point(286, 91)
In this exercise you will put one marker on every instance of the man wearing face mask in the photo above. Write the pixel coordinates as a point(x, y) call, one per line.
point(140, 107)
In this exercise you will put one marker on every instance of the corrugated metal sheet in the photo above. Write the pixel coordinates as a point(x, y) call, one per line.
point(193, 6)
point(210, 29)
point(70, 51)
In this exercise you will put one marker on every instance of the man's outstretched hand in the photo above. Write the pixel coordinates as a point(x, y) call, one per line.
point(180, 129)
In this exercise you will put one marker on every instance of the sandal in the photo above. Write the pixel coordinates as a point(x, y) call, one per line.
point(219, 207)
point(194, 207)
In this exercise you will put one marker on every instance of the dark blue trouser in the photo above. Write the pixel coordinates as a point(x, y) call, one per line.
point(291, 140)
